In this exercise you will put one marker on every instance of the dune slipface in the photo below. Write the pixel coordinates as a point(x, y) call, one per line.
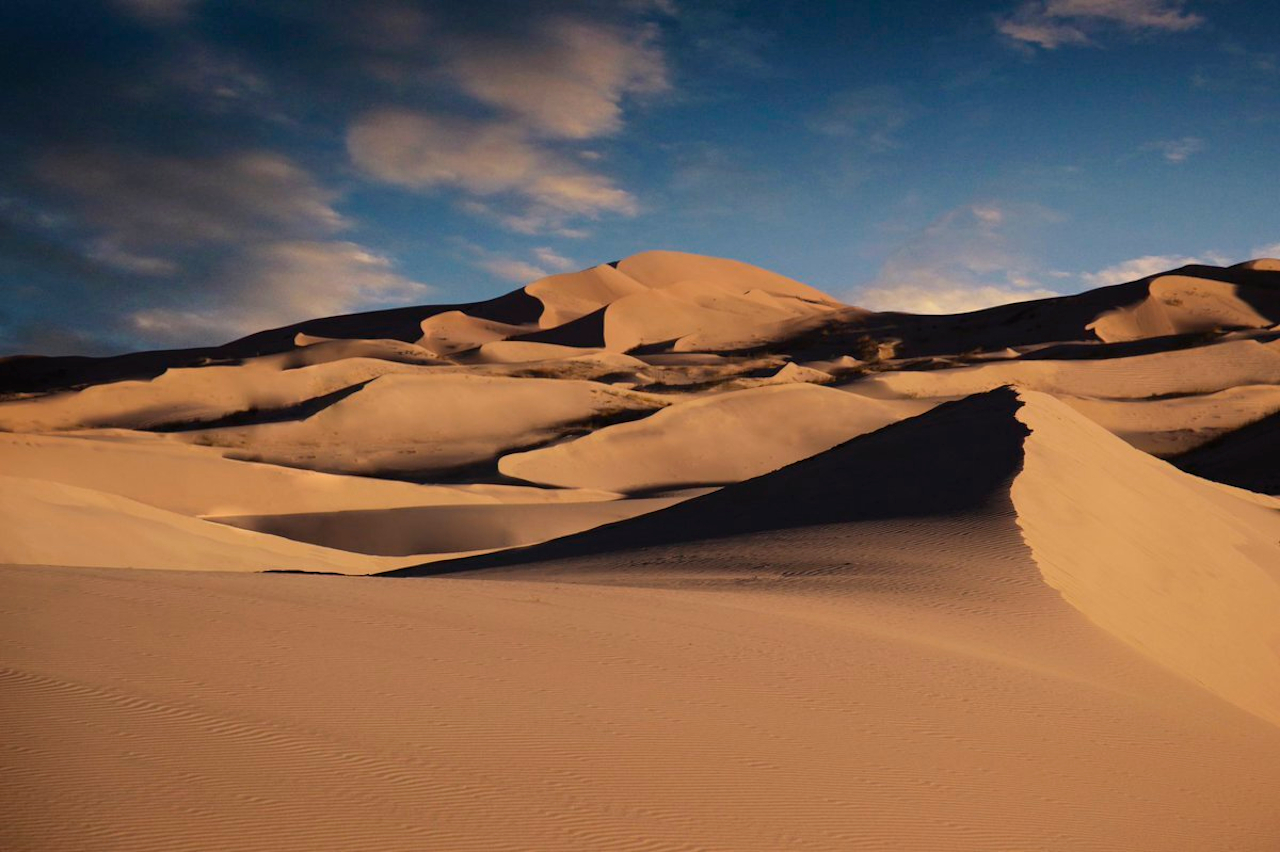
point(675, 553)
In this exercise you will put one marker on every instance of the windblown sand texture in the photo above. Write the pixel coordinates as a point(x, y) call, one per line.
point(678, 554)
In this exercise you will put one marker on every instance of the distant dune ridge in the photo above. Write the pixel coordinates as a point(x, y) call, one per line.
point(704, 559)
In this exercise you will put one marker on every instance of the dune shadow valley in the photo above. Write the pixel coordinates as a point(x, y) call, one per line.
point(670, 553)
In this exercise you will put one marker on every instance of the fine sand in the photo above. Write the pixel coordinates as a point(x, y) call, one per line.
point(675, 553)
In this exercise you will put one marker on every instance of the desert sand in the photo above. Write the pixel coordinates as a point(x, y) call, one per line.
point(674, 553)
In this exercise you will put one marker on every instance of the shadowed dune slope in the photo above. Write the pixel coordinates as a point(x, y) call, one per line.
point(1055, 320)
point(949, 460)
point(413, 425)
point(1247, 458)
point(1181, 304)
point(404, 531)
point(1186, 571)
point(866, 655)
point(713, 440)
point(47, 523)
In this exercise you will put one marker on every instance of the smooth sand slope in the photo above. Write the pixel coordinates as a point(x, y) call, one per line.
point(46, 523)
point(1181, 304)
point(196, 480)
point(925, 612)
point(708, 441)
point(1171, 425)
point(1184, 371)
point(448, 529)
point(399, 425)
point(1187, 571)
point(866, 654)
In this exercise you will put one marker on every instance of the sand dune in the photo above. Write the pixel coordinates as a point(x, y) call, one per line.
point(195, 480)
point(404, 531)
point(1179, 304)
point(946, 599)
point(523, 352)
point(1246, 458)
point(713, 440)
point(852, 660)
point(319, 350)
point(1181, 569)
point(454, 332)
point(574, 295)
point(46, 523)
point(194, 395)
point(666, 269)
point(1167, 426)
point(1132, 542)
point(397, 425)
point(703, 315)
point(1185, 371)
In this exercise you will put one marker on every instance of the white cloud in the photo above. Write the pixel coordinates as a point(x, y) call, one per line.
point(481, 159)
point(1177, 150)
point(553, 260)
point(282, 282)
point(528, 94)
point(533, 219)
point(520, 271)
point(544, 262)
point(961, 262)
point(563, 77)
point(106, 252)
point(1142, 267)
point(1053, 23)
point(935, 298)
point(141, 200)
point(1272, 250)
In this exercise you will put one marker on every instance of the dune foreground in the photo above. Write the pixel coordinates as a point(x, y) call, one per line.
point(672, 554)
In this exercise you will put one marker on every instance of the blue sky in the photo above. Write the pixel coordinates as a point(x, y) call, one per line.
point(181, 172)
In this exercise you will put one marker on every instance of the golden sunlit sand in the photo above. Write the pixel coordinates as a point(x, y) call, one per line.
point(676, 553)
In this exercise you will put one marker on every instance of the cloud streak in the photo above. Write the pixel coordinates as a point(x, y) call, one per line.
point(479, 158)
point(281, 282)
point(1050, 24)
point(565, 77)
point(963, 261)
point(144, 200)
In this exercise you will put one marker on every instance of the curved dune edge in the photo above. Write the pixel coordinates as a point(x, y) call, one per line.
point(1179, 304)
point(716, 439)
point(1184, 570)
point(48, 523)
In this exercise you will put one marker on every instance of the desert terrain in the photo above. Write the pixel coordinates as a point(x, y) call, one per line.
point(671, 553)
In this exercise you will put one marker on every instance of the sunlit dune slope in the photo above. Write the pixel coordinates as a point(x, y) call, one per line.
point(865, 652)
point(943, 597)
point(1184, 570)
point(712, 440)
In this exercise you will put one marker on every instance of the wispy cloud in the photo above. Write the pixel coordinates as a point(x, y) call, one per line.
point(963, 261)
point(146, 200)
point(551, 259)
point(481, 159)
point(870, 116)
point(543, 261)
point(278, 283)
point(1177, 151)
point(1142, 267)
point(561, 79)
point(1053, 23)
